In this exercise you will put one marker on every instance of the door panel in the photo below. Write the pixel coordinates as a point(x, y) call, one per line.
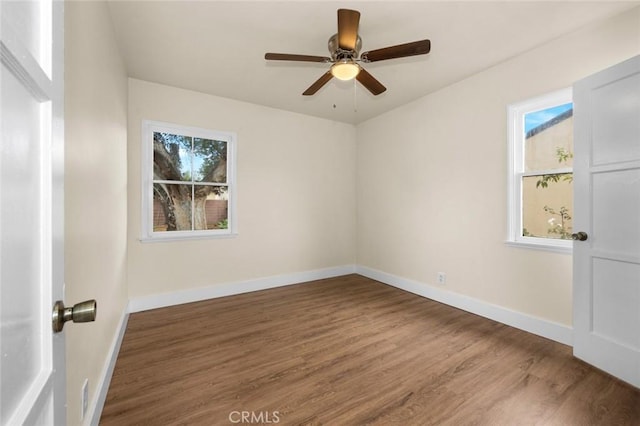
point(616, 298)
point(616, 121)
point(606, 267)
point(21, 244)
point(30, 23)
point(616, 212)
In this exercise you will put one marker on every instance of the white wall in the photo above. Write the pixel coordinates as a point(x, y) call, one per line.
point(95, 192)
point(296, 194)
point(432, 175)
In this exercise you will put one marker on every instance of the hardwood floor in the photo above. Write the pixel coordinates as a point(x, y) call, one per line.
point(350, 351)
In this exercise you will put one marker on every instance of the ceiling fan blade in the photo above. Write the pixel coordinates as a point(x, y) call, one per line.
point(299, 58)
point(318, 84)
point(348, 21)
point(368, 81)
point(421, 47)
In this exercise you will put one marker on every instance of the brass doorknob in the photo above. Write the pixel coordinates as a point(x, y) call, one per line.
point(579, 236)
point(80, 312)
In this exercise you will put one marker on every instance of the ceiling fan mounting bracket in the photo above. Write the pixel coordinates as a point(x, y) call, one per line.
point(337, 53)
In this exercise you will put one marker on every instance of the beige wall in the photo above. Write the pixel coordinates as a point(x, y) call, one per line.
point(431, 177)
point(296, 194)
point(95, 192)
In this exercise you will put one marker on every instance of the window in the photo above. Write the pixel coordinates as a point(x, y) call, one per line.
point(188, 182)
point(541, 172)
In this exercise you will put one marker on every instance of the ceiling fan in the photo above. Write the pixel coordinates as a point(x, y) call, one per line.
point(345, 47)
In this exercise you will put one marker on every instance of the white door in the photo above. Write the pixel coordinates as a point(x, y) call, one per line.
point(32, 369)
point(606, 272)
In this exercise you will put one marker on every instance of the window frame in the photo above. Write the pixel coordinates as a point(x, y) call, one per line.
point(149, 127)
point(516, 113)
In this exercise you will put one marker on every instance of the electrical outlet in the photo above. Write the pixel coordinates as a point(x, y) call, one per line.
point(442, 278)
point(85, 398)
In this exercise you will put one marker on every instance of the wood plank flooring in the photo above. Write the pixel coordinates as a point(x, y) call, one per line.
point(350, 351)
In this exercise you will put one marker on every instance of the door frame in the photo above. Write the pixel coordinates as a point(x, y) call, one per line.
point(57, 209)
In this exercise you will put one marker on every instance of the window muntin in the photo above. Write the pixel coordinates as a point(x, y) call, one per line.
point(188, 190)
point(541, 172)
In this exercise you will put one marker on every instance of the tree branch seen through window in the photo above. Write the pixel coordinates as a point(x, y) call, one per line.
point(190, 188)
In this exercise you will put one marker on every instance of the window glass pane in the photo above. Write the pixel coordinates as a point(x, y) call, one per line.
point(211, 207)
point(209, 160)
point(171, 157)
point(171, 207)
point(190, 183)
point(549, 138)
point(547, 206)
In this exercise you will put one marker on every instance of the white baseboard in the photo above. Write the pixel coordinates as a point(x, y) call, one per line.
point(548, 329)
point(145, 303)
point(94, 411)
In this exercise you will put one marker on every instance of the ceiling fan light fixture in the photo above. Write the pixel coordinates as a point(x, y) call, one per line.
point(345, 70)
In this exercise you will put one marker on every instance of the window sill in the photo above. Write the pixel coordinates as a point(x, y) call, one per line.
point(185, 237)
point(554, 248)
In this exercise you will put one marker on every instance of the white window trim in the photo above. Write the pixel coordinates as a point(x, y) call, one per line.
point(148, 235)
point(516, 113)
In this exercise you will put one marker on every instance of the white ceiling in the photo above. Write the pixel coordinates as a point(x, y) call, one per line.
point(218, 47)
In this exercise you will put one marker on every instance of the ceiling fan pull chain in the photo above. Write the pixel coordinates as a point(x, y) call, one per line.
point(355, 96)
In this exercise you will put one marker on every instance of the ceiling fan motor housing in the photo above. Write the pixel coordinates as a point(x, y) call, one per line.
point(337, 53)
